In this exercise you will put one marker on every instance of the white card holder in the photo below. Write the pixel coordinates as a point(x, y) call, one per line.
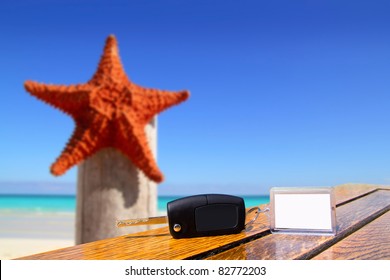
point(303, 211)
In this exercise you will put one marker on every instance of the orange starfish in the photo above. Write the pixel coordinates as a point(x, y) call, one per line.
point(109, 111)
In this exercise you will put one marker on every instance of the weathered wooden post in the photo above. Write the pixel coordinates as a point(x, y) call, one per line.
point(110, 187)
point(116, 136)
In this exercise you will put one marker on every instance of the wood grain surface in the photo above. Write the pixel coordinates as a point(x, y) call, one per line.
point(371, 242)
point(350, 217)
point(110, 187)
point(347, 192)
point(256, 242)
point(155, 244)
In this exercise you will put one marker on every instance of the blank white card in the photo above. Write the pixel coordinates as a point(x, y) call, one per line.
point(302, 210)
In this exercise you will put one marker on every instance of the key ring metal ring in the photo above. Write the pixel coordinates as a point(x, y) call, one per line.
point(258, 209)
point(255, 217)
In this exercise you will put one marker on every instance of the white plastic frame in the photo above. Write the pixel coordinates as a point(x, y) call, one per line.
point(303, 211)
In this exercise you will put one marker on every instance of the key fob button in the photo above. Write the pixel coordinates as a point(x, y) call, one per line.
point(216, 217)
point(176, 227)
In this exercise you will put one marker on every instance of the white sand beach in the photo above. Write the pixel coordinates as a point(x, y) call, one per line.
point(11, 248)
point(24, 233)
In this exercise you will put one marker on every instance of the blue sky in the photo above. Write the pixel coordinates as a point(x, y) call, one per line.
point(283, 93)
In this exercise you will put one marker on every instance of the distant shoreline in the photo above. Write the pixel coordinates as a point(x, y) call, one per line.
point(37, 195)
point(67, 203)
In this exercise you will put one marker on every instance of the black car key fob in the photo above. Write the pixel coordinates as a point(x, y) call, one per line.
point(206, 215)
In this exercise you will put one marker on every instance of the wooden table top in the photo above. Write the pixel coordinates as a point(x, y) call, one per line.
point(363, 232)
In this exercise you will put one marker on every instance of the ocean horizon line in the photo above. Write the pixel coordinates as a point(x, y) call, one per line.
point(39, 203)
point(165, 189)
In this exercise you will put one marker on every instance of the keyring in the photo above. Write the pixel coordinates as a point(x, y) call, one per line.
point(256, 208)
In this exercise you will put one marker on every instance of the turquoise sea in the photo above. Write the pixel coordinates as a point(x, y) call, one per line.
point(67, 203)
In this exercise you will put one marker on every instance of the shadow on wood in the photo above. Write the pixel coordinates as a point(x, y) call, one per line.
point(110, 187)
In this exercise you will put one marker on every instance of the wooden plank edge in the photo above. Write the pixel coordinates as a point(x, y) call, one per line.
point(356, 197)
point(333, 239)
point(305, 256)
point(361, 232)
point(228, 246)
point(321, 248)
point(346, 193)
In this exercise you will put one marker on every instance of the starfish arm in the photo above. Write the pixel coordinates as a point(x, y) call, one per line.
point(156, 101)
point(132, 141)
point(70, 99)
point(110, 66)
point(83, 143)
